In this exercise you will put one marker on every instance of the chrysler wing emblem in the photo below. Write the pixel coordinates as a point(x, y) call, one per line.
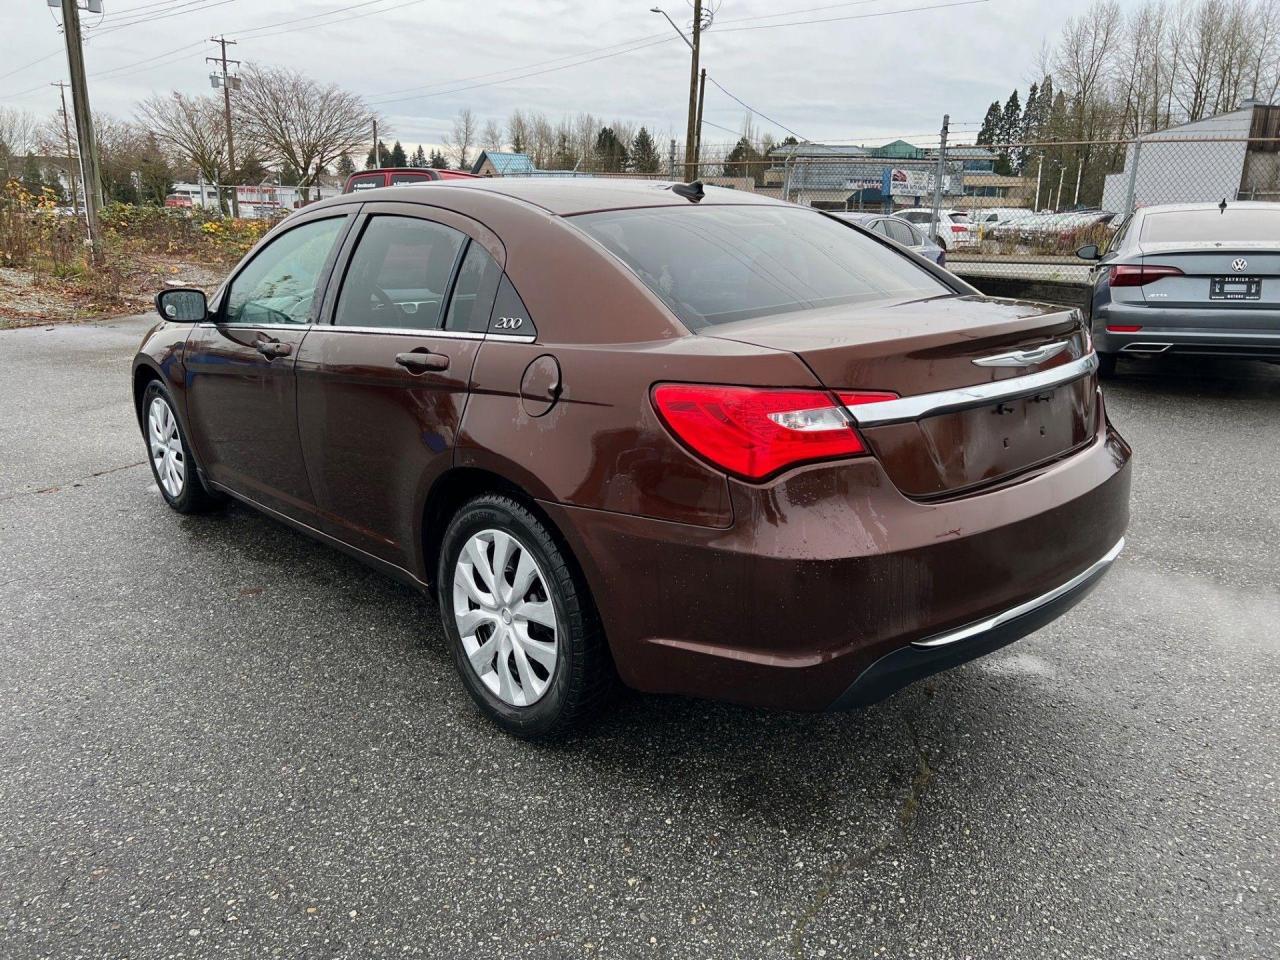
point(1239, 264)
point(1024, 358)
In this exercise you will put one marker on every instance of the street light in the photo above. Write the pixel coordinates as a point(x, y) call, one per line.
point(693, 131)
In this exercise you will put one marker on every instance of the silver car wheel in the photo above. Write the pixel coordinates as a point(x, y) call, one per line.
point(505, 618)
point(166, 447)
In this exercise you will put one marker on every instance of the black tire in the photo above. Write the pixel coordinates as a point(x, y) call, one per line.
point(1106, 365)
point(583, 676)
point(193, 497)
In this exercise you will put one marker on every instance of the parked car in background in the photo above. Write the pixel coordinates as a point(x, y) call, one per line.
point(703, 440)
point(954, 226)
point(393, 176)
point(900, 232)
point(1201, 279)
point(986, 219)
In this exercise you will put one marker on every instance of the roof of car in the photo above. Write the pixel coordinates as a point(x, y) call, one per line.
point(569, 195)
point(1211, 205)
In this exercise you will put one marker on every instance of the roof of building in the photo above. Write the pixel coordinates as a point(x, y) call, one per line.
point(504, 164)
point(817, 150)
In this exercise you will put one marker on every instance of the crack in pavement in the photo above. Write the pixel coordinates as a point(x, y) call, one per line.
point(907, 812)
point(74, 480)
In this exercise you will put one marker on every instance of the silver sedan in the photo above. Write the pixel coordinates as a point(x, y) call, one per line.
point(1197, 278)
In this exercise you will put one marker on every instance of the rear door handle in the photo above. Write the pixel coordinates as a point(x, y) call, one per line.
point(421, 362)
point(273, 348)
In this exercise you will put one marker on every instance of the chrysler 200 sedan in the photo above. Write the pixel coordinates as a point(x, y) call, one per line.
point(699, 440)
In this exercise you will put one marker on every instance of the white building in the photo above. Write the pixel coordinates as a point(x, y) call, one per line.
point(1231, 156)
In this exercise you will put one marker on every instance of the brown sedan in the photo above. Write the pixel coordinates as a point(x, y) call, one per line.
point(703, 441)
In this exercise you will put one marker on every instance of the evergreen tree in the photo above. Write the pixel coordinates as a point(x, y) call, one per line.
point(419, 158)
point(743, 161)
point(563, 158)
point(397, 157)
point(1010, 130)
point(345, 166)
point(371, 163)
point(990, 125)
point(644, 156)
point(610, 152)
point(438, 161)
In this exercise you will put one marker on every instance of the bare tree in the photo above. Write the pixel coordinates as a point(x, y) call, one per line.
point(299, 122)
point(491, 136)
point(19, 133)
point(459, 141)
point(518, 132)
point(190, 127)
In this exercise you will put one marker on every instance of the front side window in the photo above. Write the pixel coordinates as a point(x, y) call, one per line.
point(279, 284)
point(718, 264)
point(399, 274)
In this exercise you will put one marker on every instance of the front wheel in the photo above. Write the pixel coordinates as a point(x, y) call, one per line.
point(523, 631)
point(172, 463)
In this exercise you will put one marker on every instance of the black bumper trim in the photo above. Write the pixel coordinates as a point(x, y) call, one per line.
point(906, 665)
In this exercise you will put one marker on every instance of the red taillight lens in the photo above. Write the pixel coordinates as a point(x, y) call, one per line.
point(1123, 327)
point(957, 228)
point(1137, 275)
point(754, 432)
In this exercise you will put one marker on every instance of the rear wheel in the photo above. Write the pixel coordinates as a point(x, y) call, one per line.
point(172, 463)
point(1106, 365)
point(521, 625)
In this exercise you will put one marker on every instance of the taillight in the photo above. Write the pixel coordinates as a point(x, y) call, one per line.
point(754, 432)
point(1123, 327)
point(1137, 275)
point(957, 228)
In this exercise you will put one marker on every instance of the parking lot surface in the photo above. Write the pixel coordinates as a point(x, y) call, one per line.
point(221, 739)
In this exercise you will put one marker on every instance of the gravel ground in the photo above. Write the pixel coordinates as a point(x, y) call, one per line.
point(220, 739)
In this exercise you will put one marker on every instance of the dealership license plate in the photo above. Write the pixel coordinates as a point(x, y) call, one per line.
point(1235, 288)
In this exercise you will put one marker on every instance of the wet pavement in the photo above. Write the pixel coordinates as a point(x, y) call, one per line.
point(220, 739)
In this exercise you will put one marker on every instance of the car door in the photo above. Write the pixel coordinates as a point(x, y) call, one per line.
point(383, 385)
point(241, 389)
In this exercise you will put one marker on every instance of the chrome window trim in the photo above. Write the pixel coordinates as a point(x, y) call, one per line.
point(991, 623)
point(419, 332)
point(927, 404)
point(260, 326)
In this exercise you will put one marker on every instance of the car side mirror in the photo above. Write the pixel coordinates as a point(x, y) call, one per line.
point(1089, 252)
point(182, 305)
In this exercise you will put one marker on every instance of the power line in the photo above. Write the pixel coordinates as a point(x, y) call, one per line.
point(721, 88)
point(856, 16)
point(792, 13)
point(291, 28)
point(200, 7)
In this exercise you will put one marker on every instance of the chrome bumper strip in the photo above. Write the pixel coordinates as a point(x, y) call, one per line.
point(983, 626)
point(927, 404)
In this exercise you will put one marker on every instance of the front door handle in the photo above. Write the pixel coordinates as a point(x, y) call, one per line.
point(421, 362)
point(273, 348)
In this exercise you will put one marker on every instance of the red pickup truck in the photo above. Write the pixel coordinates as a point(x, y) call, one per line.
point(386, 176)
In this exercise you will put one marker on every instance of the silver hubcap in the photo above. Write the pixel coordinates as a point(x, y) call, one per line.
point(166, 447)
point(505, 617)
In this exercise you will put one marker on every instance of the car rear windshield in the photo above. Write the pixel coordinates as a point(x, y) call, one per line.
point(1211, 226)
point(959, 218)
point(718, 264)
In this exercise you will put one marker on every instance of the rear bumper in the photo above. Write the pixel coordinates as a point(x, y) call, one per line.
point(1219, 332)
point(829, 570)
point(924, 658)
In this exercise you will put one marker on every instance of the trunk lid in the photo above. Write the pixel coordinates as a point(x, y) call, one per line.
point(924, 347)
point(1247, 275)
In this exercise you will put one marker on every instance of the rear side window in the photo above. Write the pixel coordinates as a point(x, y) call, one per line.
point(1211, 226)
point(398, 274)
point(474, 291)
point(879, 227)
point(369, 181)
point(902, 233)
point(719, 264)
point(409, 177)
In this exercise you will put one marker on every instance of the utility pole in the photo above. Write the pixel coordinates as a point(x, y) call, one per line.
point(84, 122)
point(1035, 208)
point(691, 139)
point(938, 177)
point(697, 141)
point(1062, 176)
point(377, 152)
point(226, 113)
point(72, 160)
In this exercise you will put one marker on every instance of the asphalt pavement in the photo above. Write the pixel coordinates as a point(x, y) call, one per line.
point(220, 739)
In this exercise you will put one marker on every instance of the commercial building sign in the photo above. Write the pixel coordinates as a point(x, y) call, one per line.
point(900, 182)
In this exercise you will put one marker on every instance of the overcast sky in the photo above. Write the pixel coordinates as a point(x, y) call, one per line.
point(877, 77)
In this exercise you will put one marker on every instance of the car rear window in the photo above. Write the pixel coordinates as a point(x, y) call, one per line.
point(959, 217)
point(1211, 226)
point(718, 264)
